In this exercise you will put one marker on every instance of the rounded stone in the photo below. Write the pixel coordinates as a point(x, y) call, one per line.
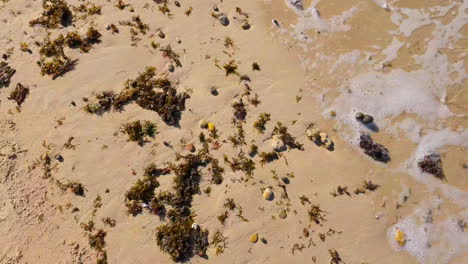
point(203, 124)
point(367, 119)
point(190, 147)
point(285, 179)
point(268, 194)
point(359, 116)
point(224, 20)
point(170, 67)
point(254, 238)
point(245, 25)
point(214, 90)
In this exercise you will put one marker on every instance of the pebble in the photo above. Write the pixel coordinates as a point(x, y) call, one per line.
point(245, 25)
point(312, 134)
point(367, 119)
point(224, 20)
point(190, 147)
point(214, 90)
point(268, 194)
point(254, 238)
point(264, 241)
point(170, 67)
point(161, 34)
point(277, 143)
point(195, 226)
point(285, 179)
point(59, 157)
point(276, 22)
point(203, 124)
point(283, 214)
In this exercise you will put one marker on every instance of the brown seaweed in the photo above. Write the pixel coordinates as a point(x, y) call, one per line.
point(432, 164)
point(55, 13)
point(19, 94)
point(6, 72)
point(374, 150)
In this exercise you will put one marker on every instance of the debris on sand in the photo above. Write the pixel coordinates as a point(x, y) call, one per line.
point(432, 164)
point(287, 139)
point(203, 124)
point(245, 25)
point(103, 104)
point(224, 20)
point(335, 257)
point(268, 194)
point(400, 237)
point(55, 13)
point(254, 238)
point(320, 138)
point(138, 131)
point(374, 150)
point(316, 214)
point(259, 125)
point(364, 118)
point(6, 72)
point(19, 94)
point(143, 90)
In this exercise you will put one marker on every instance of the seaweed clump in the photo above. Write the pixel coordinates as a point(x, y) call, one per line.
point(316, 214)
point(138, 131)
point(374, 150)
point(282, 133)
point(19, 94)
point(142, 192)
point(241, 163)
point(432, 164)
point(104, 103)
point(55, 13)
point(180, 237)
point(6, 72)
point(167, 102)
point(259, 125)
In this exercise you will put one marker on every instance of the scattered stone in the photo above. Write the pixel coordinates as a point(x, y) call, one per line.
point(59, 157)
point(214, 90)
point(203, 124)
point(190, 147)
point(264, 241)
point(224, 20)
point(359, 190)
point(364, 118)
point(313, 134)
point(283, 214)
point(320, 138)
point(170, 67)
point(161, 34)
point(254, 238)
point(245, 25)
point(333, 113)
point(285, 179)
point(374, 150)
point(275, 22)
point(268, 194)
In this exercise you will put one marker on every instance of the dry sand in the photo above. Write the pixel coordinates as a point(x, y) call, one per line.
point(403, 62)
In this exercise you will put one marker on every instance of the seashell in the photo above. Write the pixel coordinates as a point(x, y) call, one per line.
point(203, 124)
point(268, 194)
point(190, 147)
point(254, 238)
point(400, 237)
point(211, 127)
point(367, 119)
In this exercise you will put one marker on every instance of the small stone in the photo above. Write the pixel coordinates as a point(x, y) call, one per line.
point(195, 226)
point(176, 3)
point(367, 119)
point(268, 194)
point(214, 90)
point(254, 238)
point(275, 22)
point(170, 67)
point(203, 124)
point(245, 25)
point(190, 147)
point(285, 179)
point(333, 113)
point(59, 157)
point(264, 241)
point(224, 20)
point(359, 116)
point(283, 214)
point(161, 34)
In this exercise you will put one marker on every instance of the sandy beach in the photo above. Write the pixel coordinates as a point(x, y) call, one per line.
point(216, 131)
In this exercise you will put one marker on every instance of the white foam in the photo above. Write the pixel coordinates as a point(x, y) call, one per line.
point(436, 243)
point(433, 142)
